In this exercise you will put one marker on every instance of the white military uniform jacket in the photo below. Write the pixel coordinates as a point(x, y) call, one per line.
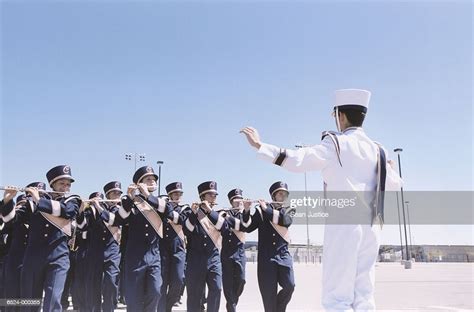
point(358, 156)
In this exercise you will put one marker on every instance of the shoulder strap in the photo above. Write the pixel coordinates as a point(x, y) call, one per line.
point(115, 231)
point(151, 215)
point(333, 136)
point(381, 179)
point(213, 233)
point(63, 224)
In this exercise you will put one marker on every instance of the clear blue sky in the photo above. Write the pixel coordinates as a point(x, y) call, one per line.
point(85, 82)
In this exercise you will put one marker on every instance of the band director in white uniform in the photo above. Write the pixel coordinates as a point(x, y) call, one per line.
point(349, 161)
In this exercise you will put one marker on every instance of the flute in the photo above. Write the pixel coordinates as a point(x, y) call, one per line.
point(150, 188)
point(254, 201)
point(200, 203)
point(231, 208)
point(102, 200)
point(23, 189)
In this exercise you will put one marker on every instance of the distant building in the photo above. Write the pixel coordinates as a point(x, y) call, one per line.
point(387, 253)
point(428, 253)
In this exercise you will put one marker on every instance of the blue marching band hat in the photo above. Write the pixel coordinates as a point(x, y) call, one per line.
point(174, 187)
point(142, 173)
point(207, 187)
point(39, 185)
point(235, 193)
point(112, 186)
point(59, 172)
point(96, 195)
point(278, 186)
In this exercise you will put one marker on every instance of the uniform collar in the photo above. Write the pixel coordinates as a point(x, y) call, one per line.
point(350, 129)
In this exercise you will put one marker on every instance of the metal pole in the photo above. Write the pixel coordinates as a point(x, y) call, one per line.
point(307, 212)
point(135, 162)
point(159, 179)
point(400, 226)
point(159, 162)
point(403, 206)
point(307, 217)
point(409, 229)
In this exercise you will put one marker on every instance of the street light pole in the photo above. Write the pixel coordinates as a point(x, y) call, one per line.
point(409, 228)
point(399, 226)
point(398, 151)
point(307, 217)
point(159, 162)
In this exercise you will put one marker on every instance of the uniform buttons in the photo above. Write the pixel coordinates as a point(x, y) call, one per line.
point(205, 244)
point(273, 234)
point(105, 231)
point(146, 225)
point(166, 235)
point(103, 238)
point(45, 235)
point(205, 236)
point(230, 233)
point(47, 225)
point(230, 240)
point(24, 243)
point(274, 243)
point(26, 235)
point(146, 234)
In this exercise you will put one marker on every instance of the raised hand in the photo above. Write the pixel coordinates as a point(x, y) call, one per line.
point(33, 191)
point(9, 194)
point(252, 136)
point(144, 189)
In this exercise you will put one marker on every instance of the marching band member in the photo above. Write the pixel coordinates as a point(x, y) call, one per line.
point(275, 264)
point(14, 261)
point(69, 285)
point(233, 247)
point(4, 246)
point(78, 245)
point(103, 256)
point(144, 214)
point(5, 243)
point(203, 260)
point(172, 249)
point(349, 161)
point(46, 259)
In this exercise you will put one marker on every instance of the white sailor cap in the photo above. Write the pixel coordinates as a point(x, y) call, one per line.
point(352, 99)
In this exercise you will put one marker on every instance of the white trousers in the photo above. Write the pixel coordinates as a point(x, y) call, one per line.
point(349, 256)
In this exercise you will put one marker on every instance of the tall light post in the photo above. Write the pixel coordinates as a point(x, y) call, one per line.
point(399, 226)
point(407, 263)
point(409, 227)
point(307, 217)
point(159, 163)
point(135, 157)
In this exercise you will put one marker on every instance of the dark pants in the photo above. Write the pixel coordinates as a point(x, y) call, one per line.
point(45, 269)
point(13, 266)
point(143, 280)
point(68, 285)
point(78, 288)
point(172, 273)
point(233, 280)
point(202, 271)
point(102, 283)
point(2, 279)
point(270, 275)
